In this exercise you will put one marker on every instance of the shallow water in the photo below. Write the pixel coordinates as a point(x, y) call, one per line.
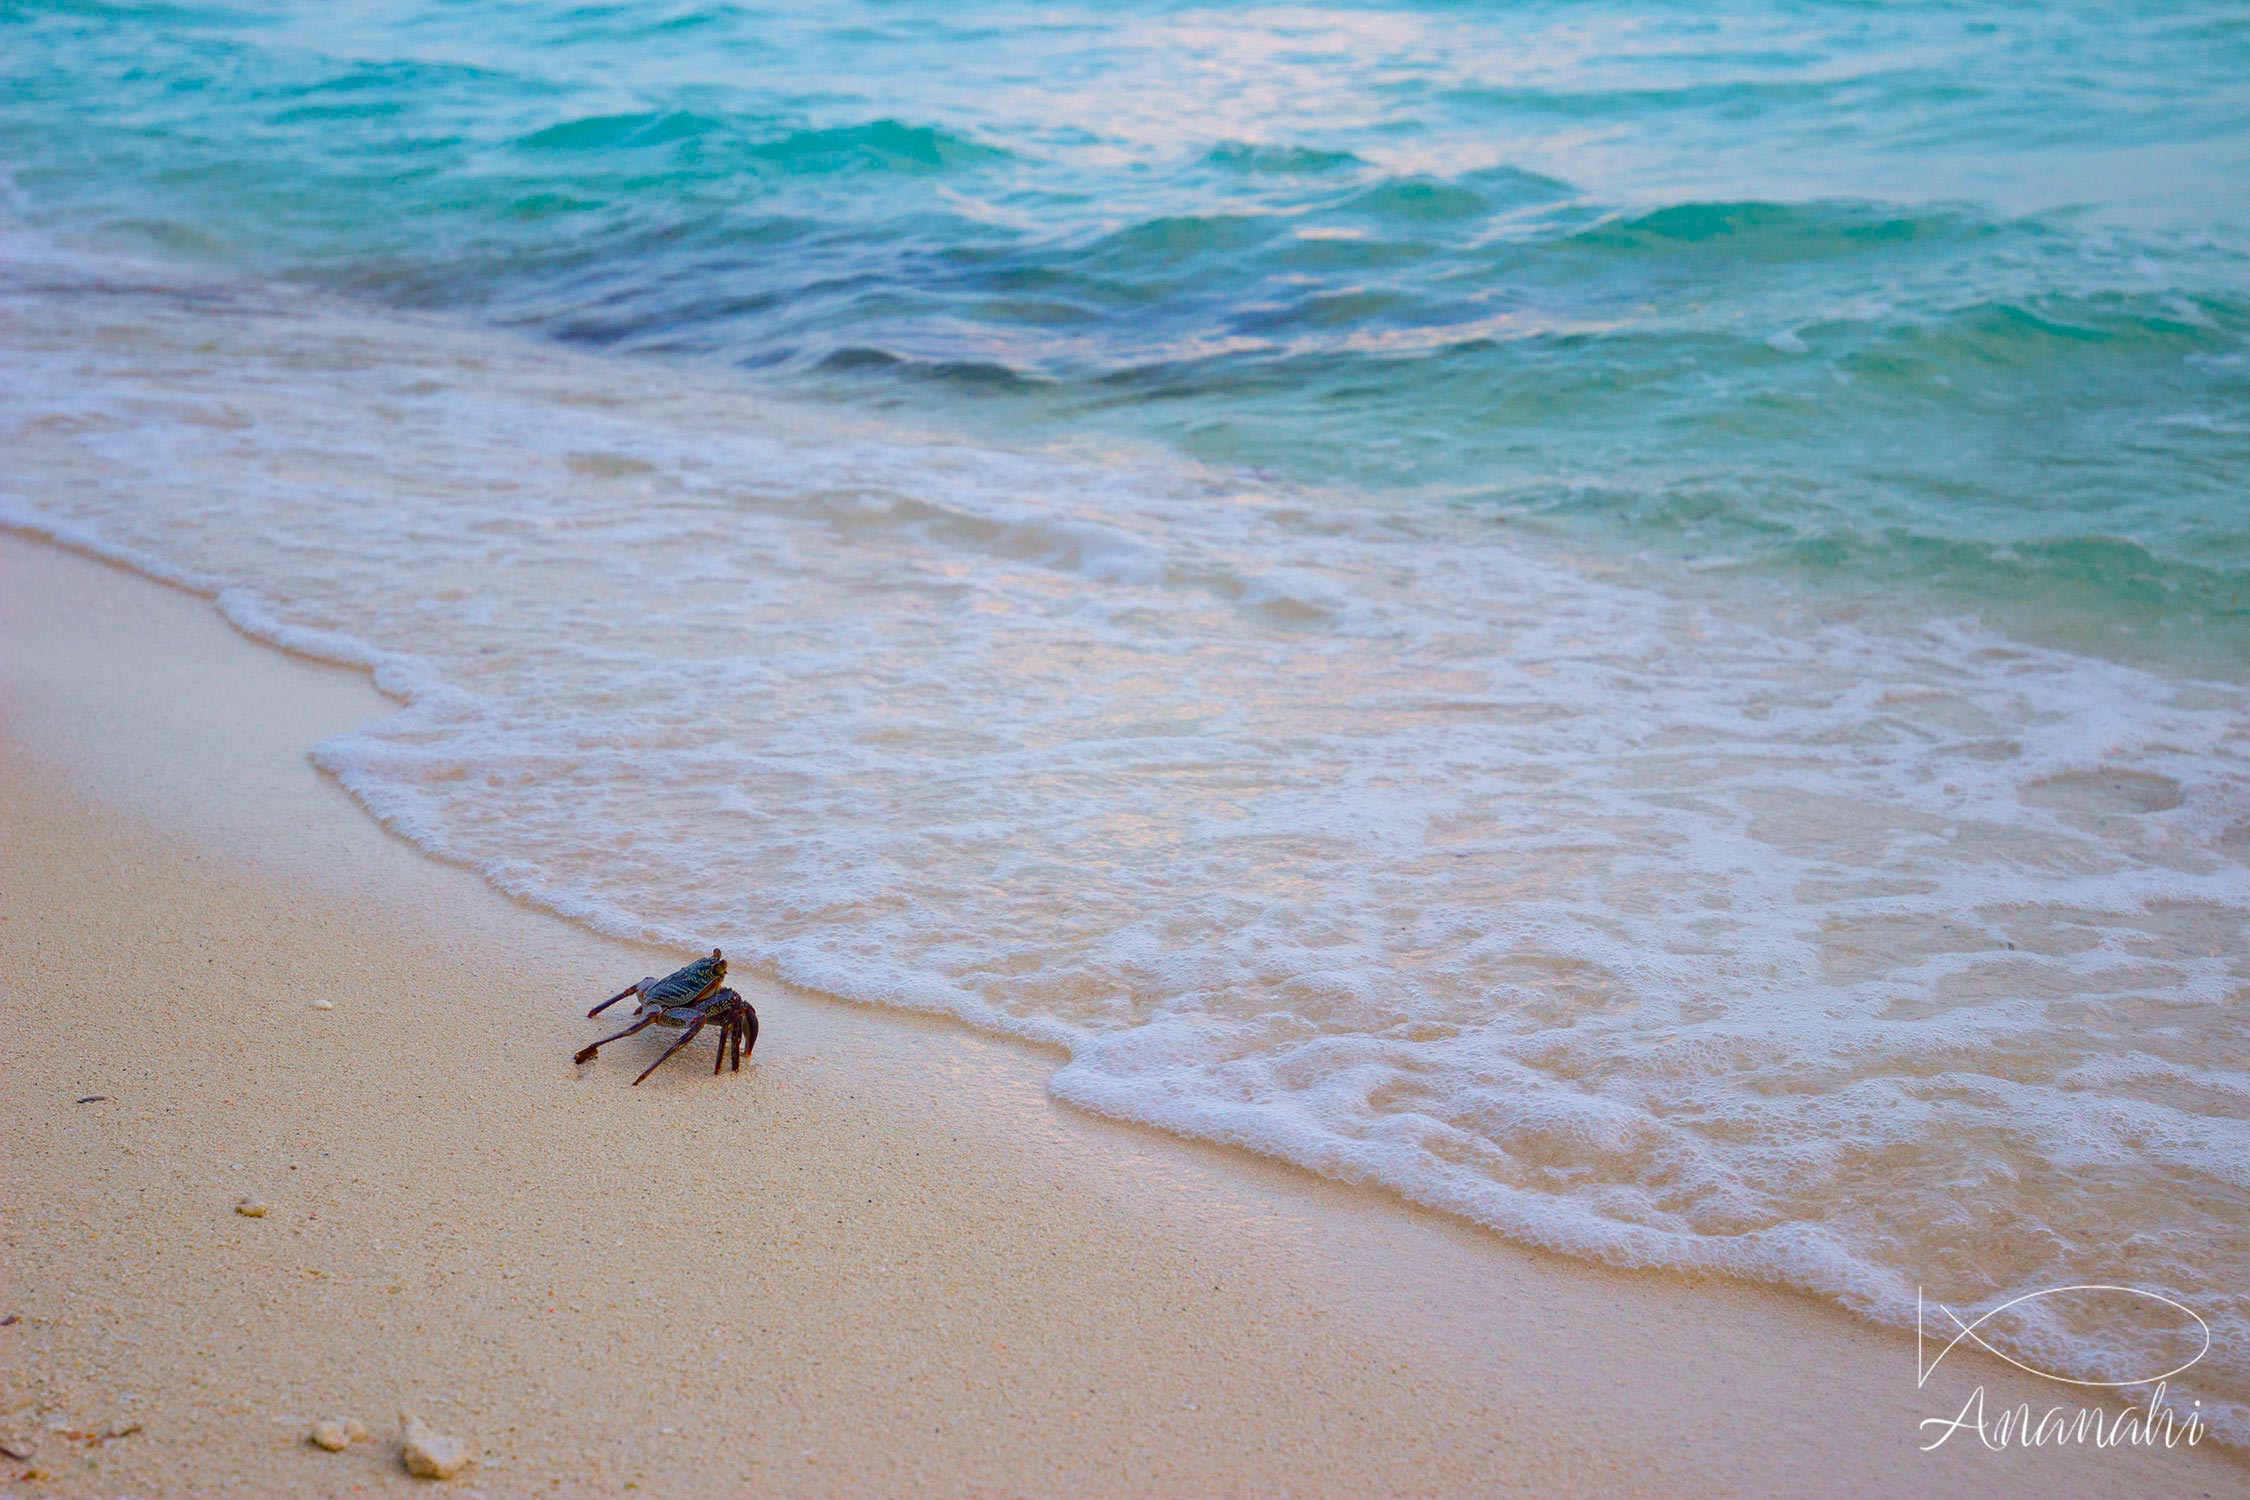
point(1397, 584)
point(1910, 296)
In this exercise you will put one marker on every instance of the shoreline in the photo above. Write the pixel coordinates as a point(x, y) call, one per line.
point(881, 1258)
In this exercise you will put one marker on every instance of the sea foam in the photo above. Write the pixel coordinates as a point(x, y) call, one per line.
point(1758, 935)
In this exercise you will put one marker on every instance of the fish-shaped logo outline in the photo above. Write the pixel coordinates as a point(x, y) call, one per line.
point(1969, 1331)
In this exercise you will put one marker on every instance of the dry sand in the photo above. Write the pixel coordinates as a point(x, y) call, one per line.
point(880, 1261)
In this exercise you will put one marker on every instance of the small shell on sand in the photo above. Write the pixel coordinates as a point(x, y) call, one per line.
point(324, 1005)
point(336, 1436)
point(16, 1449)
point(429, 1454)
point(251, 1208)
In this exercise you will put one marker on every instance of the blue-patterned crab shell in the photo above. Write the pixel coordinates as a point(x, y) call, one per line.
point(689, 997)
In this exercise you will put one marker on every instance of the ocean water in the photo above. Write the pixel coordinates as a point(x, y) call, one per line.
point(1630, 620)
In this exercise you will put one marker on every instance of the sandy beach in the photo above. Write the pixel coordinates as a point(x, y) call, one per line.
point(878, 1261)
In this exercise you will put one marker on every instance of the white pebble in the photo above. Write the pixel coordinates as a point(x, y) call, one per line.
point(429, 1454)
point(251, 1208)
point(324, 1005)
point(330, 1435)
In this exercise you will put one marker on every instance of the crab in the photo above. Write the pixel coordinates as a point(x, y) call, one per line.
point(689, 997)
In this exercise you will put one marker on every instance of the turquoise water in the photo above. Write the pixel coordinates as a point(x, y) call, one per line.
point(1953, 301)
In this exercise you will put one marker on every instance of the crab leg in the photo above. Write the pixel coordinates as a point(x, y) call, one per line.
point(685, 1038)
point(631, 989)
point(719, 1058)
point(586, 1054)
